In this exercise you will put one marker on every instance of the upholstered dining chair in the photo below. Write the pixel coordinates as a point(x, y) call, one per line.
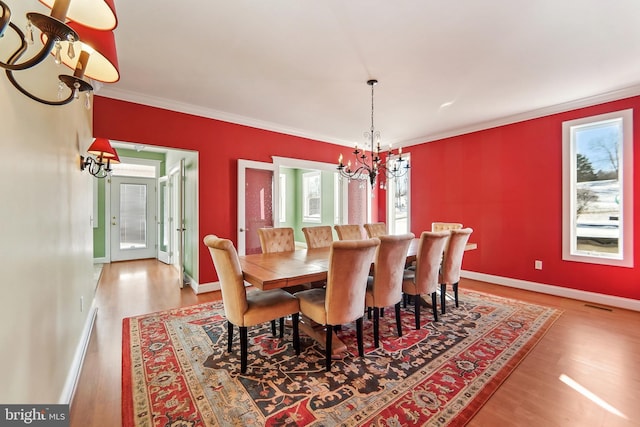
point(452, 264)
point(443, 226)
point(384, 289)
point(320, 236)
point(242, 309)
point(424, 279)
point(342, 300)
point(280, 239)
point(276, 239)
point(376, 229)
point(350, 232)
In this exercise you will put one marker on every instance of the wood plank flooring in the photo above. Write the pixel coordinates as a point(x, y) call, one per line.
point(597, 349)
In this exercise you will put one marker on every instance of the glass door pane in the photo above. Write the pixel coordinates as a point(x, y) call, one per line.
point(258, 206)
point(133, 216)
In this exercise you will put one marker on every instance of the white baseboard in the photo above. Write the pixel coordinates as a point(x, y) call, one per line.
point(103, 260)
point(66, 397)
point(204, 287)
point(613, 301)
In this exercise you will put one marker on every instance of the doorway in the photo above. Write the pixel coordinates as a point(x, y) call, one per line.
point(133, 219)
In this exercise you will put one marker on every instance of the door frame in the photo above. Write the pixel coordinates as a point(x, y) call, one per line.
point(162, 201)
point(177, 176)
point(151, 227)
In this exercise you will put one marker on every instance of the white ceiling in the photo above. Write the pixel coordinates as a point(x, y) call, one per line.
point(301, 66)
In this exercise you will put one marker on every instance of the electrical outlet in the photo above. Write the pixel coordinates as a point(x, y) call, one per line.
point(538, 264)
point(81, 304)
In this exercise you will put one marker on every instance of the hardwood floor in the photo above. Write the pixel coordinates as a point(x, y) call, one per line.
point(596, 348)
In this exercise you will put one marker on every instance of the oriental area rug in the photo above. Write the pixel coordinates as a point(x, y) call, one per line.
point(176, 371)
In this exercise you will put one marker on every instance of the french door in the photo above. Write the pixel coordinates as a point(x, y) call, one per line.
point(255, 203)
point(133, 218)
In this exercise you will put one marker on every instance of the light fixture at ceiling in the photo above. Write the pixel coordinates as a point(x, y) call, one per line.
point(370, 167)
point(89, 33)
point(105, 155)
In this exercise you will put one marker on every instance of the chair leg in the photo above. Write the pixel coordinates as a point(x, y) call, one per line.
point(434, 306)
point(229, 336)
point(416, 299)
point(273, 328)
point(369, 309)
point(359, 336)
point(295, 318)
point(382, 312)
point(443, 297)
point(281, 327)
point(398, 319)
point(455, 292)
point(404, 300)
point(244, 343)
point(376, 326)
point(327, 348)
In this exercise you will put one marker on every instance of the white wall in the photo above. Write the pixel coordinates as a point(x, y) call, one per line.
point(46, 263)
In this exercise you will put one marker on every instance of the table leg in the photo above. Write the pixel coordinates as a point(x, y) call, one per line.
point(317, 332)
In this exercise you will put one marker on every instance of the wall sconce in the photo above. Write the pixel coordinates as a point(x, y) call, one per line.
point(93, 22)
point(105, 156)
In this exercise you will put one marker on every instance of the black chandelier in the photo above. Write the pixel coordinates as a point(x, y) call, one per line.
point(365, 167)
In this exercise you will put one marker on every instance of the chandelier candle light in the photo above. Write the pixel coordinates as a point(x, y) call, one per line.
point(370, 168)
point(83, 24)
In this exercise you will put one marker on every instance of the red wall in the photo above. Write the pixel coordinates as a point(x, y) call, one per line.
point(219, 144)
point(506, 183)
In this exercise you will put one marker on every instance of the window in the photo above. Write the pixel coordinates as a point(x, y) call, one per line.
point(597, 189)
point(398, 192)
point(312, 202)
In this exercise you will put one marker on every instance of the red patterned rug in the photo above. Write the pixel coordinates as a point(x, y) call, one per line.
point(176, 371)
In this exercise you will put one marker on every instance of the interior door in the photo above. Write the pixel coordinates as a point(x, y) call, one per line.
point(133, 218)
point(255, 203)
point(164, 220)
point(176, 185)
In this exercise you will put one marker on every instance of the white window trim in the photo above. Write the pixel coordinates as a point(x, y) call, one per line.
point(568, 178)
point(282, 197)
point(391, 183)
point(305, 207)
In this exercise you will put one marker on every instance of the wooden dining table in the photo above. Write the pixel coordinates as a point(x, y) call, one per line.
point(277, 270)
point(285, 269)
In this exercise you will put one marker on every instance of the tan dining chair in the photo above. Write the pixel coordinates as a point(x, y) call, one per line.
point(424, 279)
point(276, 239)
point(242, 309)
point(350, 232)
point(443, 226)
point(384, 289)
point(452, 264)
point(273, 240)
point(320, 236)
point(376, 229)
point(342, 300)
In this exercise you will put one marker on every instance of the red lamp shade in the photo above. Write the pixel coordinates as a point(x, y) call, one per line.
point(115, 159)
point(102, 147)
point(97, 14)
point(102, 64)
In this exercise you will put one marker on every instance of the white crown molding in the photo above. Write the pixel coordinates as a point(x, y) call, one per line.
point(196, 110)
point(528, 115)
point(181, 107)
